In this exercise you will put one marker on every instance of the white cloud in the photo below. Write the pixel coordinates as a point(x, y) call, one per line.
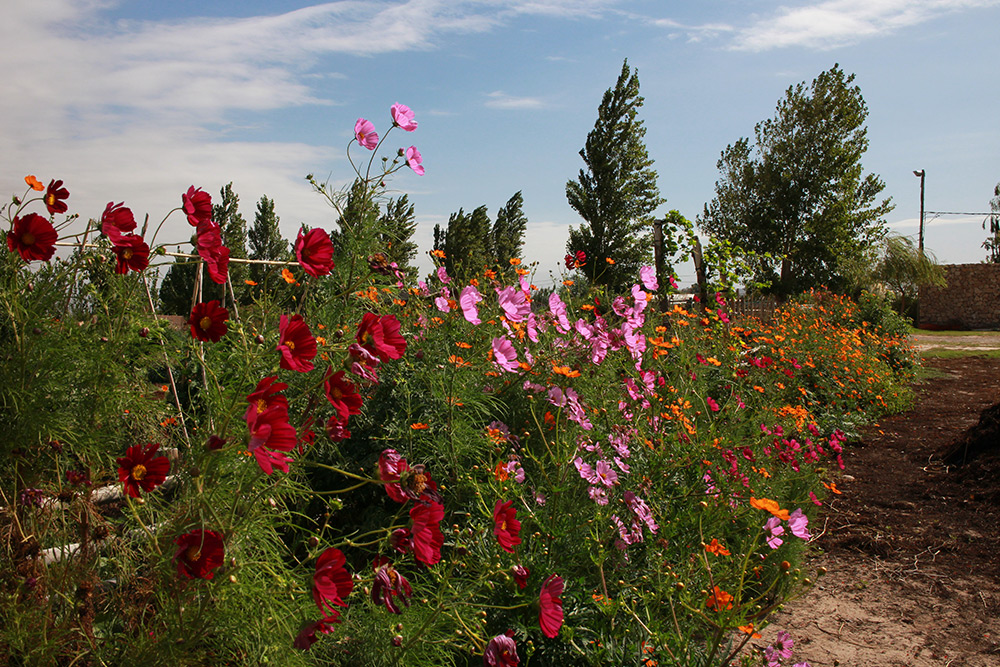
point(834, 23)
point(501, 100)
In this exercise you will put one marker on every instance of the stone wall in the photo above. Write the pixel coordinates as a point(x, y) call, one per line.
point(970, 301)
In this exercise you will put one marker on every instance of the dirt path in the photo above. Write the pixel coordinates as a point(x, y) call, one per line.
point(912, 547)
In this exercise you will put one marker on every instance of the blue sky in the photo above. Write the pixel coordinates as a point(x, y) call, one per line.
point(136, 101)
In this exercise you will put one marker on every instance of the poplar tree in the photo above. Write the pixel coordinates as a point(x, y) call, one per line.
point(616, 192)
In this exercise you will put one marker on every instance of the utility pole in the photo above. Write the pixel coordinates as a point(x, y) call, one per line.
point(921, 174)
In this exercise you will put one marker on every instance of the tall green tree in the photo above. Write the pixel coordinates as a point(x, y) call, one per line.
point(992, 244)
point(467, 243)
point(265, 242)
point(234, 236)
point(507, 235)
point(797, 198)
point(397, 224)
point(616, 192)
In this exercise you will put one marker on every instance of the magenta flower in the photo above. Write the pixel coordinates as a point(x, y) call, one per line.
point(558, 310)
point(550, 610)
point(781, 648)
point(606, 475)
point(364, 132)
point(712, 405)
point(402, 117)
point(647, 275)
point(389, 584)
point(501, 651)
point(514, 303)
point(773, 528)
point(798, 523)
point(414, 160)
point(504, 355)
point(468, 299)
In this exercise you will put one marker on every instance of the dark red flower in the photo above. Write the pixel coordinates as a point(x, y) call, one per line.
point(211, 250)
point(198, 553)
point(54, 196)
point(132, 253)
point(336, 429)
point(550, 611)
point(331, 581)
point(307, 634)
point(400, 540)
point(314, 250)
point(506, 526)
point(271, 431)
point(208, 321)
point(501, 651)
point(264, 397)
point(389, 584)
point(197, 206)
point(520, 576)
point(380, 336)
point(404, 482)
point(296, 344)
point(141, 468)
point(342, 395)
point(33, 237)
point(116, 220)
point(426, 531)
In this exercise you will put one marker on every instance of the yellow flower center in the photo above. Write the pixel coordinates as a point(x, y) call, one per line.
point(50, 199)
point(336, 393)
point(192, 554)
point(290, 345)
point(28, 238)
point(128, 253)
point(261, 405)
point(205, 323)
point(138, 472)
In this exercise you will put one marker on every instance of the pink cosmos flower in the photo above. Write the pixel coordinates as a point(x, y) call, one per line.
point(504, 355)
point(364, 132)
point(514, 303)
point(781, 648)
point(606, 475)
point(402, 117)
point(414, 160)
point(712, 405)
point(558, 310)
point(647, 275)
point(773, 529)
point(116, 220)
point(467, 300)
point(798, 523)
point(550, 611)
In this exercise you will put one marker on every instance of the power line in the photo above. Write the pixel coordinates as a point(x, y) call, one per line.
point(960, 213)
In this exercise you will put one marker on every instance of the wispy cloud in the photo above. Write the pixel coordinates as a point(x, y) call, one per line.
point(501, 100)
point(834, 23)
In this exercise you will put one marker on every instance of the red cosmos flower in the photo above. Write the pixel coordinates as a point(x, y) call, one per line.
point(331, 581)
point(54, 197)
point(271, 431)
point(197, 206)
point(520, 576)
point(404, 482)
point(132, 253)
point(33, 237)
point(307, 634)
point(208, 321)
point(341, 394)
point(380, 336)
point(314, 250)
point(198, 553)
point(141, 468)
point(550, 611)
point(116, 220)
point(296, 344)
point(426, 531)
point(336, 429)
point(264, 397)
point(506, 526)
point(389, 584)
point(211, 250)
point(501, 651)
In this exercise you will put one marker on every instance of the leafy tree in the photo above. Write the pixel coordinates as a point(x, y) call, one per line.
point(616, 193)
point(797, 197)
point(266, 243)
point(466, 242)
point(396, 228)
point(992, 244)
point(234, 236)
point(507, 235)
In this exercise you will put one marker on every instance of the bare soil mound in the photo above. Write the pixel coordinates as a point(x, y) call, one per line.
point(976, 456)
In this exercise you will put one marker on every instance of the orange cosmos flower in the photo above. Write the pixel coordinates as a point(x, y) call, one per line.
point(715, 548)
point(419, 426)
point(34, 183)
point(770, 506)
point(288, 276)
point(250, 282)
point(719, 600)
point(832, 486)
